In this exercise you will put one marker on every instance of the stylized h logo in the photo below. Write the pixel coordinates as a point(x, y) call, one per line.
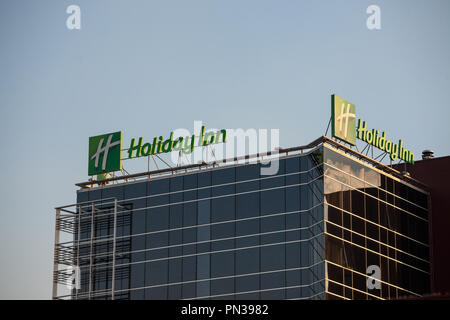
point(343, 124)
point(106, 149)
point(344, 116)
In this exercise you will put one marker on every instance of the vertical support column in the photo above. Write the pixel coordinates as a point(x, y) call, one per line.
point(114, 251)
point(148, 166)
point(80, 210)
point(91, 249)
point(55, 256)
point(326, 277)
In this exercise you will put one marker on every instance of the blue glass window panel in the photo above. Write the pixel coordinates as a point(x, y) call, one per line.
point(138, 244)
point(175, 275)
point(248, 296)
point(272, 257)
point(222, 286)
point(157, 245)
point(292, 171)
point(203, 289)
point(247, 283)
point(293, 278)
point(272, 201)
point(203, 266)
point(223, 230)
point(159, 186)
point(157, 293)
point(190, 183)
point(204, 211)
point(189, 268)
point(174, 292)
point(276, 180)
point(189, 290)
point(139, 211)
point(250, 230)
point(203, 234)
point(225, 178)
point(204, 180)
point(176, 185)
point(292, 198)
point(223, 209)
point(250, 174)
point(190, 214)
point(137, 294)
point(222, 264)
point(293, 293)
point(189, 239)
point(247, 205)
point(273, 280)
point(156, 272)
point(137, 272)
point(158, 219)
point(274, 295)
point(293, 255)
point(176, 216)
point(247, 261)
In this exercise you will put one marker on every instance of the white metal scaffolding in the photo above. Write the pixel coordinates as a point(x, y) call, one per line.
point(86, 235)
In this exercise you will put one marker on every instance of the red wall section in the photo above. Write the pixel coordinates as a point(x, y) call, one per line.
point(435, 173)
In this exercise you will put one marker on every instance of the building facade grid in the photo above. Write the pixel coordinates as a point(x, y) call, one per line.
point(308, 232)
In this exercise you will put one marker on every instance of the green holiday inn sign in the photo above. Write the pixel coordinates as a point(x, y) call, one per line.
point(343, 127)
point(105, 151)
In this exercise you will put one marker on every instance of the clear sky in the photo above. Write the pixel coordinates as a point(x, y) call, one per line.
point(147, 67)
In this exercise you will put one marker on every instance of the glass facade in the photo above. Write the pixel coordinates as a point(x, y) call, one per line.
point(373, 219)
point(224, 233)
point(311, 231)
